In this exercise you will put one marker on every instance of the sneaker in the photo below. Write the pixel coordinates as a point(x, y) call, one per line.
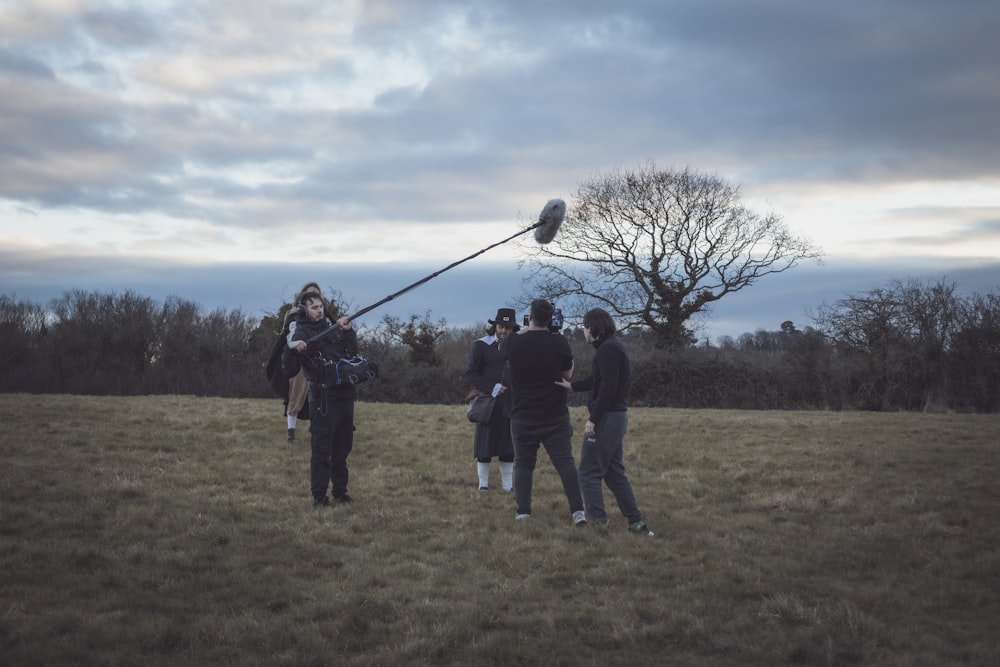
point(522, 517)
point(640, 528)
point(344, 500)
point(320, 503)
point(579, 518)
point(291, 435)
point(484, 488)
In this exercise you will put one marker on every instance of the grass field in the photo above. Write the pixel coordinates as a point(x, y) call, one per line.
point(179, 531)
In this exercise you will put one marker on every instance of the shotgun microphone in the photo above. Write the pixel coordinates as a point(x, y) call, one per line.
point(549, 221)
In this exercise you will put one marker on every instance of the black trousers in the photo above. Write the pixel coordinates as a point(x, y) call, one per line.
point(332, 437)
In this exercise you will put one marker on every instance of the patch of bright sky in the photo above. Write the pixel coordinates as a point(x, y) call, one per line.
point(61, 231)
point(893, 221)
point(247, 175)
point(870, 222)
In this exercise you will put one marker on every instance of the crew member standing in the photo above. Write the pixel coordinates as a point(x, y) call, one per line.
point(539, 414)
point(316, 348)
point(601, 457)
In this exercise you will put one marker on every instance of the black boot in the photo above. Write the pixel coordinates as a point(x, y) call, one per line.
point(291, 435)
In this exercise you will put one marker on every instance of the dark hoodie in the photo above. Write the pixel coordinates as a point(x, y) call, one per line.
point(610, 377)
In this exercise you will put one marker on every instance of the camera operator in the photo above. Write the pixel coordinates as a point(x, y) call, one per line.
point(539, 415)
point(555, 324)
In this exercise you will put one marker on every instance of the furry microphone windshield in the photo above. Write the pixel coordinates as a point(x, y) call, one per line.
point(549, 220)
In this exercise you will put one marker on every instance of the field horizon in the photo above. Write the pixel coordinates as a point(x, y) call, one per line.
point(168, 530)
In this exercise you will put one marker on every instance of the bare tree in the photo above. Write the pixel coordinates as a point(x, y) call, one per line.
point(905, 334)
point(420, 335)
point(657, 247)
point(868, 329)
point(976, 376)
point(22, 332)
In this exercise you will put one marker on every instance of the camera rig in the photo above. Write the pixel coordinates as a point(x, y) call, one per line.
point(557, 320)
point(555, 324)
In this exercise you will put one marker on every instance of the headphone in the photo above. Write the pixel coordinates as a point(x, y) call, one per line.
point(300, 305)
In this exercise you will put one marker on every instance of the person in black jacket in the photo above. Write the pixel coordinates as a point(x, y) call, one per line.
point(601, 457)
point(331, 396)
point(538, 357)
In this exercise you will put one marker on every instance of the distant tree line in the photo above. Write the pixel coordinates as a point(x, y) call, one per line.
point(906, 346)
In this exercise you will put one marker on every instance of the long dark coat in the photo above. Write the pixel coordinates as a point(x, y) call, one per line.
point(485, 369)
point(276, 378)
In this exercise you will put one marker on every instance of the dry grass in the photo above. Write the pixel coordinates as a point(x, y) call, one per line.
point(179, 530)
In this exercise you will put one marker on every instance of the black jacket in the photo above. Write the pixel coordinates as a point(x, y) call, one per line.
point(276, 377)
point(319, 361)
point(609, 380)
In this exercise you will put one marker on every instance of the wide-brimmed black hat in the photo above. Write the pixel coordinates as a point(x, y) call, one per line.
point(506, 317)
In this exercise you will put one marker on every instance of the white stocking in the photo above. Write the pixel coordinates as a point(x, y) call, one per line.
point(484, 474)
point(507, 475)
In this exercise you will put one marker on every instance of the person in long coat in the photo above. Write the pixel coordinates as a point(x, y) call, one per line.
point(293, 390)
point(486, 374)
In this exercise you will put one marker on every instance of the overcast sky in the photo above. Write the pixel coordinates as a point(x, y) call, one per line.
point(227, 152)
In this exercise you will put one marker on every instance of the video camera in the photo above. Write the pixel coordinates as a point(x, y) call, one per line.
point(557, 320)
point(555, 325)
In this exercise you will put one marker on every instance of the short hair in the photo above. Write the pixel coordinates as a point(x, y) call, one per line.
point(599, 322)
point(310, 296)
point(541, 312)
point(306, 289)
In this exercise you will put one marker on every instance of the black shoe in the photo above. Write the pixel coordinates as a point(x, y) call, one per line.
point(484, 488)
point(320, 503)
point(344, 500)
point(640, 528)
point(291, 435)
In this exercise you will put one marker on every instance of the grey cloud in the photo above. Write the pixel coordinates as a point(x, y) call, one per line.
point(121, 27)
point(865, 82)
point(988, 229)
point(775, 90)
point(955, 226)
point(24, 65)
